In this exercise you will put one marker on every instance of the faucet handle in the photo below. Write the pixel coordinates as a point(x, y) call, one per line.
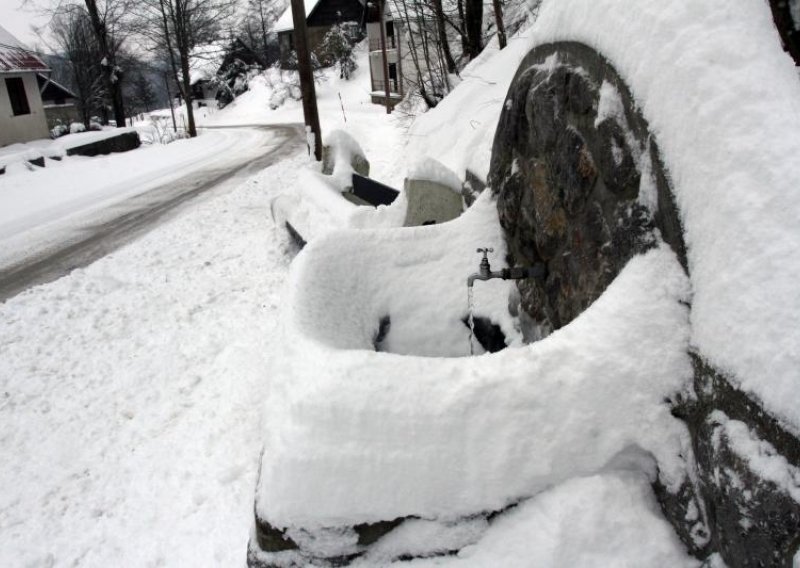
point(485, 251)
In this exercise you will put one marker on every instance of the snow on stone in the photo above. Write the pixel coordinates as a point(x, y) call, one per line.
point(607, 519)
point(725, 110)
point(432, 170)
point(759, 455)
point(723, 102)
point(422, 430)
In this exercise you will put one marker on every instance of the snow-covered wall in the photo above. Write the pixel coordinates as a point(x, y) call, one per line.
point(723, 102)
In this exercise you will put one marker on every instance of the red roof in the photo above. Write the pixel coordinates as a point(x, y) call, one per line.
point(15, 57)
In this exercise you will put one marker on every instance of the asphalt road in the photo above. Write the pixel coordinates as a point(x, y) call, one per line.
point(110, 228)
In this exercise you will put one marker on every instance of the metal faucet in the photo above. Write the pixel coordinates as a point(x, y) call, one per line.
point(538, 270)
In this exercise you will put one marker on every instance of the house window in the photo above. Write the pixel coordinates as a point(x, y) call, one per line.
point(393, 76)
point(390, 34)
point(16, 93)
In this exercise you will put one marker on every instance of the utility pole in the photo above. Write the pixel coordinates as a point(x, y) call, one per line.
point(383, 53)
point(310, 113)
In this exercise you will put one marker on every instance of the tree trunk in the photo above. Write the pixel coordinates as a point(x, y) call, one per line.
point(448, 57)
point(473, 16)
point(187, 93)
point(180, 25)
point(112, 77)
point(498, 19)
point(462, 27)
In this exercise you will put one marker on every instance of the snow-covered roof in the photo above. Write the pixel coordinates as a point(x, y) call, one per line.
point(285, 22)
point(15, 57)
point(204, 62)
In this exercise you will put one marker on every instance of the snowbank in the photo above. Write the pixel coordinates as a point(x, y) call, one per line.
point(353, 435)
point(723, 101)
point(36, 200)
point(129, 434)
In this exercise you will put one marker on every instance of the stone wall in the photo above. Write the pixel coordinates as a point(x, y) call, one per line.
point(581, 187)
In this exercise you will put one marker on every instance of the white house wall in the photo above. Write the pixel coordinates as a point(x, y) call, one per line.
point(25, 127)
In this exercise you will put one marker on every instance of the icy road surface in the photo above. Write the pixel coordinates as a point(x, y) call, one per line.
point(119, 197)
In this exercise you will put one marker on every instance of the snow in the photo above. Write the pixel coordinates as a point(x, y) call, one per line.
point(137, 393)
point(204, 62)
point(372, 436)
point(728, 135)
point(760, 457)
point(431, 170)
point(723, 102)
point(607, 519)
point(36, 205)
point(286, 23)
point(127, 425)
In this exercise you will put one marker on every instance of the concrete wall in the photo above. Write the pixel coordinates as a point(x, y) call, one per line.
point(25, 127)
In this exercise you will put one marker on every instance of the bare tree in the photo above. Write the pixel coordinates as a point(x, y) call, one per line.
point(109, 22)
point(177, 27)
point(72, 30)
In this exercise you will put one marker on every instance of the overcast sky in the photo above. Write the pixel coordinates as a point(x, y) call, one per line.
point(18, 21)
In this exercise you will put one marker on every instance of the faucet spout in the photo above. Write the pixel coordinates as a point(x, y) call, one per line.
point(538, 271)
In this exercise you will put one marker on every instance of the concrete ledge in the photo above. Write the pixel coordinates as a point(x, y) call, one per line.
point(122, 142)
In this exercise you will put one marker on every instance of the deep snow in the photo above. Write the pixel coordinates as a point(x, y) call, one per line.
point(130, 390)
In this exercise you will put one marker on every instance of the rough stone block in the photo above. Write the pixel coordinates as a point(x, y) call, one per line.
point(430, 202)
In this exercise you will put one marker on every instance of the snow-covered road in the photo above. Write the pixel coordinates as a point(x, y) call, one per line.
point(47, 236)
point(129, 389)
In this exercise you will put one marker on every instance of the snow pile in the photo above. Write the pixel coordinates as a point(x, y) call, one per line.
point(371, 436)
point(723, 102)
point(343, 149)
point(429, 169)
point(607, 519)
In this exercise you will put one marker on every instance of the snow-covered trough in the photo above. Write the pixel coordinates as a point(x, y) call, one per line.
point(357, 436)
point(376, 418)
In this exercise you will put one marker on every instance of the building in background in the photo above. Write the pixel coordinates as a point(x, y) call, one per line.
point(59, 103)
point(22, 114)
point(321, 15)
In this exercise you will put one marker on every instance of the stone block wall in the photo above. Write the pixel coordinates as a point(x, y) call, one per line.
point(568, 162)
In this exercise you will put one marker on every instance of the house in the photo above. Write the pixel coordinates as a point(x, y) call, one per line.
point(321, 15)
point(59, 102)
point(404, 52)
point(22, 115)
point(397, 51)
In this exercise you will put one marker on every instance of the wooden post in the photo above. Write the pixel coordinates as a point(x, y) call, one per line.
point(383, 52)
point(310, 113)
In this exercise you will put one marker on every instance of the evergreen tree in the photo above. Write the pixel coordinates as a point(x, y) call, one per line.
point(337, 49)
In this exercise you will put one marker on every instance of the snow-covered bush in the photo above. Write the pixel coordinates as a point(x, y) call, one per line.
point(76, 127)
point(233, 81)
point(162, 132)
point(60, 129)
